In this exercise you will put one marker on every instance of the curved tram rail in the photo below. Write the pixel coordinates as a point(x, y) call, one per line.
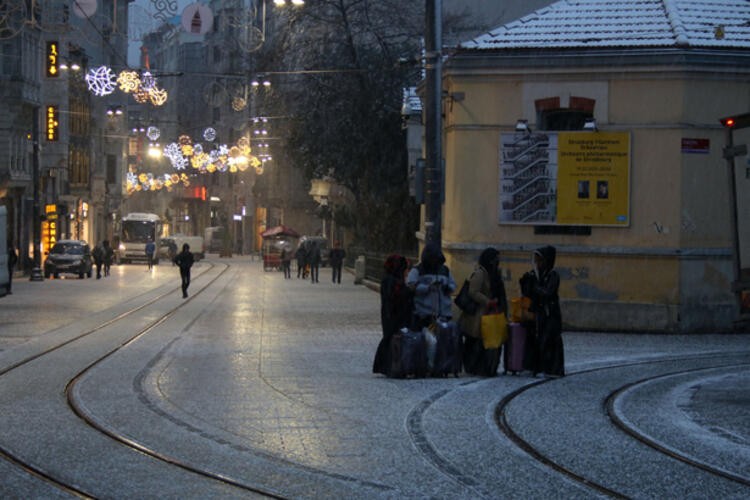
point(422, 443)
point(48, 478)
point(505, 427)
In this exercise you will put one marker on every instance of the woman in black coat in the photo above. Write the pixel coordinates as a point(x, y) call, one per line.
point(395, 308)
point(542, 286)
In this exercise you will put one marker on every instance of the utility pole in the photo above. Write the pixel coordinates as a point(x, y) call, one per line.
point(36, 270)
point(433, 121)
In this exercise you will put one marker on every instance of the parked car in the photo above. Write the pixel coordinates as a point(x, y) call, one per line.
point(70, 257)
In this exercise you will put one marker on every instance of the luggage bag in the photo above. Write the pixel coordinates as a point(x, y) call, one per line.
point(448, 353)
point(515, 348)
point(408, 354)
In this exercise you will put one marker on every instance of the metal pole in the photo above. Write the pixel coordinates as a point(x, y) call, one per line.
point(736, 266)
point(36, 270)
point(433, 121)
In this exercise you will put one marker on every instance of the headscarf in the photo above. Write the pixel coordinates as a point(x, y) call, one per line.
point(547, 254)
point(396, 265)
point(487, 261)
point(432, 259)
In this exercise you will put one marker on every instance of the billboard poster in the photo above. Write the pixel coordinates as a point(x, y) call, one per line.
point(565, 178)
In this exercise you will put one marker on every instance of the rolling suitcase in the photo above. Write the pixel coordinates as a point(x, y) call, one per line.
point(515, 348)
point(408, 354)
point(448, 352)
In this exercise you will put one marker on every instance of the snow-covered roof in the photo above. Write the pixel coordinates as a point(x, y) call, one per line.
point(625, 23)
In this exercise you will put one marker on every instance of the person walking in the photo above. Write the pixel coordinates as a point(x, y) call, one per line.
point(109, 256)
point(313, 258)
point(395, 308)
point(184, 261)
point(486, 288)
point(12, 261)
point(286, 262)
point(336, 257)
point(98, 254)
point(542, 285)
point(301, 257)
point(150, 249)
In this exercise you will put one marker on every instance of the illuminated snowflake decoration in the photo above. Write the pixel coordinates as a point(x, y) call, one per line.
point(209, 134)
point(140, 96)
point(239, 103)
point(179, 162)
point(172, 150)
point(101, 81)
point(153, 133)
point(148, 81)
point(157, 96)
point(128, 81)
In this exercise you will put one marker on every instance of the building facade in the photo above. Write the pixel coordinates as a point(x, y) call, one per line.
point(651, 79)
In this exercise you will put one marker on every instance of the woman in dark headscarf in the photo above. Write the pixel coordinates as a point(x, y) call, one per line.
point(433, 284)
point(542, 286)
point(395, 308)
point(486, 288)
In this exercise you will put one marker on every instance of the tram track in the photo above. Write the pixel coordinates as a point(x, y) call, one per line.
point(541, 457)
point(642, 437)
point(49, 478)
point(428, 449)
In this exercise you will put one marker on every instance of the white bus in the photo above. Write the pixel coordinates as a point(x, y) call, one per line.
point(137, 229)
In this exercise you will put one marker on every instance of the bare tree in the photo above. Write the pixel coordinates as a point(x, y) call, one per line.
point(343, 89)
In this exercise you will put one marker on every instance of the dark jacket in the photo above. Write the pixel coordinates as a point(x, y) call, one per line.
point(336, 257)
point(184, 260)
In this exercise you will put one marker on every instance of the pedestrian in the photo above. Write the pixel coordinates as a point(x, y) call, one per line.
point(542, 285)
point(432, 284)
point(286, 262)
point(109, 256)
point(150, 249)
point(12, 261)
point(184, 261)
point(98, 255)
point(301, 256)
point(336, 257)
point(313, 258)
point(486, 288)
point(395, 308)
point(172, 250)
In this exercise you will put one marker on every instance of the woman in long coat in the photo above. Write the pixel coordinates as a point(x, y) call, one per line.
point(395, 308)
point(486, 288)
point(542, 287)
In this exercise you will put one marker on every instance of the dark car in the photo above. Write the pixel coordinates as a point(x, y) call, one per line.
point(68, 256)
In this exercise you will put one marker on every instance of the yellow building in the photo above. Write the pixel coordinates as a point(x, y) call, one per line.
point(638, 204)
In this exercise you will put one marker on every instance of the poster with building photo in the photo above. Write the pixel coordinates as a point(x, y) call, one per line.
point(565, 178)
point(528, 178)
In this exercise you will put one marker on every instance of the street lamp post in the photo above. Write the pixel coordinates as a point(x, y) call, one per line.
point(433, 121)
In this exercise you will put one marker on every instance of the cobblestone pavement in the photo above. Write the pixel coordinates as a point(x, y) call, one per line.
point(266, 384)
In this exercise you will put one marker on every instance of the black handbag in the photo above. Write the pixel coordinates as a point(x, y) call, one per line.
point(464, 301)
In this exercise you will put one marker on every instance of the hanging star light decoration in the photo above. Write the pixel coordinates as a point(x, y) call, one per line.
point(101, 81)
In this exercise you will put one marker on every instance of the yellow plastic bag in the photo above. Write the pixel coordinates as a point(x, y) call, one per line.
point(494, 330)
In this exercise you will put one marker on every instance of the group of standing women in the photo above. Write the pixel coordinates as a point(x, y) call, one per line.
point(414, 297)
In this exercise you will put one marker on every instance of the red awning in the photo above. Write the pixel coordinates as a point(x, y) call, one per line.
point(280, 231)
